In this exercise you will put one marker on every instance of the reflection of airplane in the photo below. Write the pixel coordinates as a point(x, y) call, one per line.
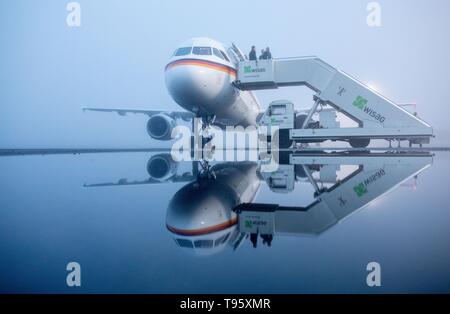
point(200, 214)
point(199, 78)
point(218, 208)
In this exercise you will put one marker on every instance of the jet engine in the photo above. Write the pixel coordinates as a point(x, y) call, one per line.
point(160, 127)
point(161, 167)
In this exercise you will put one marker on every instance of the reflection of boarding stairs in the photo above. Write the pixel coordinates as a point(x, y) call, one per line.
point(375, 176)
point(376, 116)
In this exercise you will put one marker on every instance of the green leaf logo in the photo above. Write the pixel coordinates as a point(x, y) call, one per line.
point(360, 102)
point(360, 189)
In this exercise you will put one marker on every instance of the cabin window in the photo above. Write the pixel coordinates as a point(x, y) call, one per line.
point(184, 243)
point(217, 53)
point(225, 56)
point(183, 51)
point(203, 51)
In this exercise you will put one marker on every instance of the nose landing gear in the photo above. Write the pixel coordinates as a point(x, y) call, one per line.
point(201, 137)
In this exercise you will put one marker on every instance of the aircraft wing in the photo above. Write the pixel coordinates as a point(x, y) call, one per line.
point(122, 182)
point(187, 177)
point(185, 115)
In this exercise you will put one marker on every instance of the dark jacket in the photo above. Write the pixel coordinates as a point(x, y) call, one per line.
point(252, 55)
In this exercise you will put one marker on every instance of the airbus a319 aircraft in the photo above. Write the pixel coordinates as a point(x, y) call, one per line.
point(199, 77)
point(214, 82)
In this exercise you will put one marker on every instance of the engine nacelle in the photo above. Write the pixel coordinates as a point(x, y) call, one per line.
point(160, 127)
point(162, 167)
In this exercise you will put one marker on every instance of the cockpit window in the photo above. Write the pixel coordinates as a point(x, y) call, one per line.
point(217, 53)
point(184, 243)
point(203, 244)
point(203, 51)
point(183, 51)
point(222, 239)
point(225, 56)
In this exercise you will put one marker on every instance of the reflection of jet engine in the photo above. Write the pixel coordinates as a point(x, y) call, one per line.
point(161, 167)
point(200, 214)
point(160, 127)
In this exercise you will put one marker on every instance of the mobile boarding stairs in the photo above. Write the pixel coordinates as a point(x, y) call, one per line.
point(376, 116)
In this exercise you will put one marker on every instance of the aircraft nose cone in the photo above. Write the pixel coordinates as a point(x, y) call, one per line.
point(188, 86)
point(200, 207)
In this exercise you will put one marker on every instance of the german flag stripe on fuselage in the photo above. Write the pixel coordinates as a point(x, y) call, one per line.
point(203, 231)
point(202, 63)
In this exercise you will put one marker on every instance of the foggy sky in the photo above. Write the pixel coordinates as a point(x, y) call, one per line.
point(49, 71)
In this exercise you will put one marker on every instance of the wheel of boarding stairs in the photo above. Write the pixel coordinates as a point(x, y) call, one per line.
point(359, 142)
point(283, 139)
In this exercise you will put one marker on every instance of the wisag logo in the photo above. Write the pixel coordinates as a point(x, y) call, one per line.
point(249, 69)
point(361, 188)
point(362, 103)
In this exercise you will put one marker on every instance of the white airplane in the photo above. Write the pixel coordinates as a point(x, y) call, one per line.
point(199, 76)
